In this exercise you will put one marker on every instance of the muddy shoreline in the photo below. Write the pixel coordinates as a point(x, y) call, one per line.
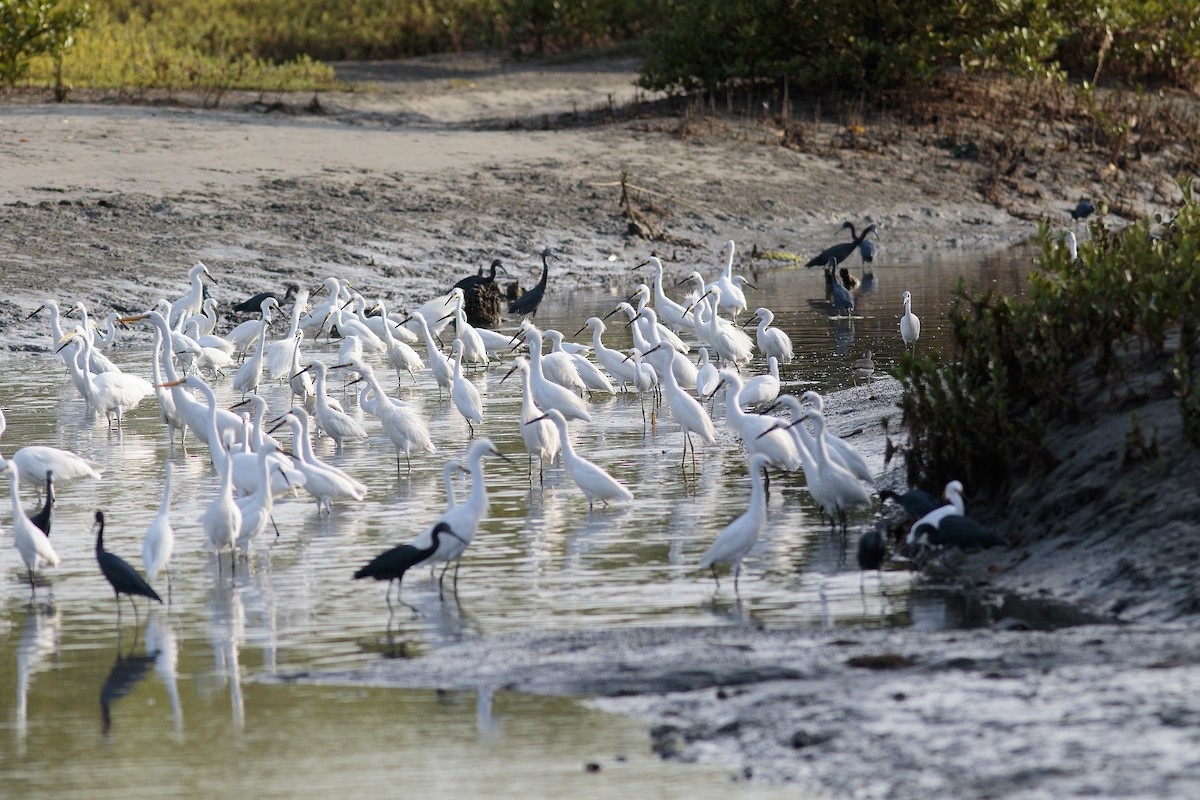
point(407, 187)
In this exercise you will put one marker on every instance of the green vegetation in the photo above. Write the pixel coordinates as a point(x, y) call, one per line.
point(1119, 322)
point(709, 45)
point(855, 45)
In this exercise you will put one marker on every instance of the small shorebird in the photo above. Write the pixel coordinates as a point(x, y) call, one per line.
point(862, 370)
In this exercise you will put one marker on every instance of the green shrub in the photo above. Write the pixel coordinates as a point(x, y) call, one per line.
point(29, 28)
point(1128, 305)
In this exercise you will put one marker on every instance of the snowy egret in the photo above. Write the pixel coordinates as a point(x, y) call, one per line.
point(706, 377)
point(731, 297)
point(464, 393)
point(842, 451)
point(249, 374)
point(159, 541)
point(33, 545)
point(337, 424)
point(772, 341)
point(391, 565)
point(246, 335)
point(278, 353)
point(685, 409)
point(401, 421)
point(541, 438)
point(613, 361)
point(952, 493)
point(323, 481)
point(256, 508)
point(592, 480)
point(399, 354)
point(528, 302)
point(736, 540)
point(759, 433)
point(111, 393)
point(474, 348)
point(593, 379)
point(672, 313)
point(656, 334)
point(546, 393)
point(35, 460)
point(464, 518)
point(222, 519)
point(441, 367)
point(762, 389)
point(910, 323)
point(1072, 245)
point(193, 299)
point(731, 343)
point(841, 251)
point(838, 491)
point(123, 578)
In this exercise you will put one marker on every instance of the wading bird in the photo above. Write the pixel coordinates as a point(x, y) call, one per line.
point(528, 302)
point(391, 565)
point(910, 323)
point(33, 545)
point(736, 540)
point(123, 578)
point(841, 251)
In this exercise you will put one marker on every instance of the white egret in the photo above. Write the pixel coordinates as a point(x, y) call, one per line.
point(841, 491)
point(441, 367)
point(159, 541)
point(672, 313)
point(589, 373)
point(592, 480)
point(759, 433)
point(222, 519)
point(33, 545)
point(738, 538)
point(339, 425)
point(762, 389)
point(192, 301)
point(910, 323)
point(35, 460)
point(464, 393)
point(623, 371)
point(685, 409)
point(706, 376)
point(772, 341)
point(249, 374)
point(474, 349)
point(952, 493)
point(546, 393)
point(323, 481)
point(246, 334)
point(841, 450)
point(463, 518)
point(540, 437)
point(399, 354)
point(256, 508)
point(401, 421)
point(278, 353)
point(111, 393)
point(731, 295)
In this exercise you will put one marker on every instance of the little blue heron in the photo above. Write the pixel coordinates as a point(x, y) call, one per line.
point(41, 517)
point(1082, 210)
point(123, 578)
point(391, 565)
point(871, 549)
point(254, 303)
point(842, 250)
point(471, 281)
point(528, 303)
point(915, 502)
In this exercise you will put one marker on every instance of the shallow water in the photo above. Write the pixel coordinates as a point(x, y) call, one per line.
point(541, 560)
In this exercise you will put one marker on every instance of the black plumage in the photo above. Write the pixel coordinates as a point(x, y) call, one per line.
point(471, 281)
point(871, 549)
point(123, 578)
point(528, 303)
point(842, 250)
point(391, 565)
point(41, 517)
point(1082, 210)
point(915, 502)
point(252, 305)
point(961, 532)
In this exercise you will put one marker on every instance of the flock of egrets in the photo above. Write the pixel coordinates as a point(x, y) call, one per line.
point(254, 470)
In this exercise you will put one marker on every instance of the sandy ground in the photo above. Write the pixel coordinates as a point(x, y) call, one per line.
point(448, 163)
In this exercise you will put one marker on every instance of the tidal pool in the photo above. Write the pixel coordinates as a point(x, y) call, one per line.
point(98, 709)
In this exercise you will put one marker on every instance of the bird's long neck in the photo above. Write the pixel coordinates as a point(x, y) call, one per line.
point(529, 409)
point(100, 537)
point(564, 436)
point(758, 493)
point(166, 496)
point(14, 489)
point(727, 273)
point(773, 367)
point(448, 479)
point(477, 499)
point(545, 272)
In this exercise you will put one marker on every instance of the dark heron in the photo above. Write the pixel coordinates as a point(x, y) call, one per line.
point(957, 530)
point(391, 565)
point(841, 251)
point(528, 303)
point(871, 549)
point(252, 305)
point(842, 299)
point(123, 578)
point(471, 281)
point(868, 250)
point(915, 502)
point(1082, 210)
point(41, 517)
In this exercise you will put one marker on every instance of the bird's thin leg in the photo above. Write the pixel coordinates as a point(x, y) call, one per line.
point(457, 564)
point(117, 597)
point(737, 573)
point(136, 622)
point(441, 579)
point(397, 465)
point(715, 578)
point(388, 596)
point(273, 525)
point(232, 561)
point(408, 461)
